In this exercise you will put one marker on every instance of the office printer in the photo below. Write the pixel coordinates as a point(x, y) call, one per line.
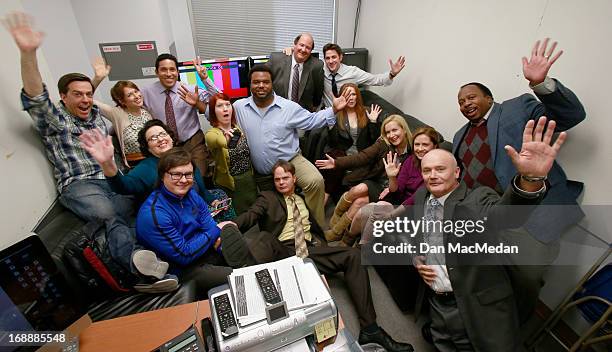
point(301, 287)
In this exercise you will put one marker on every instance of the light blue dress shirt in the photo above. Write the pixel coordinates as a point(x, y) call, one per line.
point(272, 132)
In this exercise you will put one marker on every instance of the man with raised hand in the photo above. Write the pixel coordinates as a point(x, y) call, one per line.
point(80, 180)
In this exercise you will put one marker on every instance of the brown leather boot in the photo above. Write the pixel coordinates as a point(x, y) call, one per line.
point(341, 208)
point(336, 232)
point(348, 240)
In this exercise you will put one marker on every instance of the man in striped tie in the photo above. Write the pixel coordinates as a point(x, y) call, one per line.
point(287, 229)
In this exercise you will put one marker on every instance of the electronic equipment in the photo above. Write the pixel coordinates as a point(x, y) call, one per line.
point(233, 142)
point(34, 294)
point(225, 315)
point(189, 341)
point(269, 291)
point(264, 336)
point(208, 335)
point(219, 207)
point(230, 75)
point(356, 57)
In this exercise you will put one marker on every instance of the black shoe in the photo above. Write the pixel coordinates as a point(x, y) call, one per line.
point(426, 332)
point(383, 339)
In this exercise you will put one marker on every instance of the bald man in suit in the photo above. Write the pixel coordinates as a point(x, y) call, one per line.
point(308, 92)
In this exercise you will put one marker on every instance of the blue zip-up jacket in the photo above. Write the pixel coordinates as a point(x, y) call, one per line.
point(178, 230)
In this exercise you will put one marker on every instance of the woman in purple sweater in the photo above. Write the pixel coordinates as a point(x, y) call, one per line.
point(404, 180)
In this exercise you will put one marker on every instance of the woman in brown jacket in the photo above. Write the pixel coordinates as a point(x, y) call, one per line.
point(367, 177)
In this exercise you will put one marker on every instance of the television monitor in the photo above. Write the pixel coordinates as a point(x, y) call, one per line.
point(230, 75)
point(259, 59)
point(356, 57)
point(34, 295)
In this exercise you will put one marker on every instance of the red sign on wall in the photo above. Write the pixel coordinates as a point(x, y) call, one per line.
point(148, 46)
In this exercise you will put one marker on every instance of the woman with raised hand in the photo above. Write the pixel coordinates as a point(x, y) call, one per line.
point(404, 180)
point(368, 176)
point(356, 129)
point(155, 138)
point(230, 151)
point(128, 116)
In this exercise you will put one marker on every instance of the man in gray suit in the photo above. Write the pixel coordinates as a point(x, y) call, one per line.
point(479, 144)
point(299, 77)
point(469, 297)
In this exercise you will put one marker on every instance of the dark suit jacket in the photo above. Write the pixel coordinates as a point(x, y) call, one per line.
point(483, 292)
point(311, 82)
point(270, 212)
point(505, 127)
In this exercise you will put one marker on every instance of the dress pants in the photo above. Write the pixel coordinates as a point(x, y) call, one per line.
point(200, 156)
point(447, 327)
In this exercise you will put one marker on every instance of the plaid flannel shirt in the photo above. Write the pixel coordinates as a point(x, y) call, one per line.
point(60, 132)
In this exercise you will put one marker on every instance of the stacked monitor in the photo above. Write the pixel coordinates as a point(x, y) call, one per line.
point(229, 75)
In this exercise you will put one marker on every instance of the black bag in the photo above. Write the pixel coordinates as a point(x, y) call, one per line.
point(88, 255)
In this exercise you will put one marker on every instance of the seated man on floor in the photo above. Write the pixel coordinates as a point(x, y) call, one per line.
point(175, 222)
point(288, 228)
point(80, 180)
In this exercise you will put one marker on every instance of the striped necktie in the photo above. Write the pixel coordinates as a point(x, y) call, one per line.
point(170, 119)
point(301, 250)
point(295, 83)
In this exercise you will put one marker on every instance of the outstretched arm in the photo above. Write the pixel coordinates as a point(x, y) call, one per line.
point(28, 40)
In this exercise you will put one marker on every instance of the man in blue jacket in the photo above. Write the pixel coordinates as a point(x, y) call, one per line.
point(174, 221)
point(479, 148)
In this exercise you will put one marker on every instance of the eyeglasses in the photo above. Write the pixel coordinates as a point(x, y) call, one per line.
point(176, 176)
point(156, 137)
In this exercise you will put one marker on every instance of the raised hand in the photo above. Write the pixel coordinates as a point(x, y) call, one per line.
point(375, 110)
point(536, 68)
point(397, 66)
point(99, 146)
point(288, 50)
point(339, 103)
point(201, 70)
point(189, 97)
point(537, 154)
point(101, 69)
point(392, 165)
point(19, 25)
point(326, 164)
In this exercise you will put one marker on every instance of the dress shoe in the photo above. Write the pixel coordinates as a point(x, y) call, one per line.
point(383, 339)
point(426, 332)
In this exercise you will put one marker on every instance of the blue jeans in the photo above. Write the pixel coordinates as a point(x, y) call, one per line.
point(93, 200)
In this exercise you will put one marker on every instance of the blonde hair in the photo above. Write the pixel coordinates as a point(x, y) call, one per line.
point(400, 121)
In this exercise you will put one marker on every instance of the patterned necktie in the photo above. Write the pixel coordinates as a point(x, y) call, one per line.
point(432, 211)
point(170, 120)
point(295, 83)
point(301, 250)
point(334, 85)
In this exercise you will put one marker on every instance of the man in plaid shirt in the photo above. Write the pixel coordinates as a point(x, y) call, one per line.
point(80, 181)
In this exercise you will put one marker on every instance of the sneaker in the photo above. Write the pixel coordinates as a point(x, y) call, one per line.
point(380, 337)
point(168, 283)
point(147, 263)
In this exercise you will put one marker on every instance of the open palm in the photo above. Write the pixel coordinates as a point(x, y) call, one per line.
point(537, 155)
point(99, 146)
point(20, 26)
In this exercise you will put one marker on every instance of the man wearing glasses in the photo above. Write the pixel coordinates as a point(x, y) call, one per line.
point(175, 223)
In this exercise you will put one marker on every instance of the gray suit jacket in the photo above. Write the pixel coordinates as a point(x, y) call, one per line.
point(483, 293)
point(505, 127)
point(310, 93)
